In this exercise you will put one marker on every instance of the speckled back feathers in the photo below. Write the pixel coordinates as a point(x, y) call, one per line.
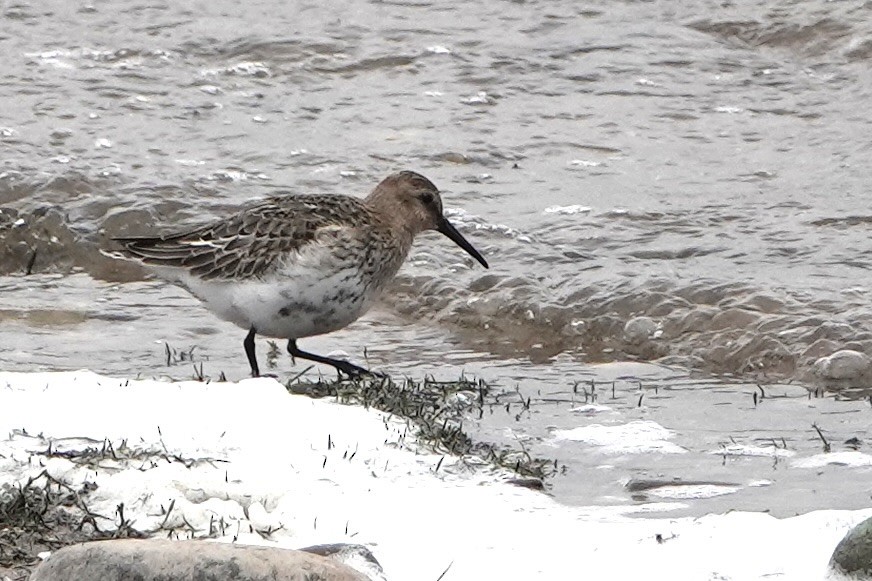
point(252, 243)
point(372, 234)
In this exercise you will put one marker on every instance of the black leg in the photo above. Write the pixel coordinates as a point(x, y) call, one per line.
point(249, 352)
point(349, 369)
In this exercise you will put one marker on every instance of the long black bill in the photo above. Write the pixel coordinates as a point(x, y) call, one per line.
point(446, 228)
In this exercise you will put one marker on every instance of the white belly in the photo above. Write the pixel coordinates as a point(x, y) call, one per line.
point(287, 307)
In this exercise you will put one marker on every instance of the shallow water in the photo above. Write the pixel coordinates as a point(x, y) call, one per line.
point(652, 426)
point(701, 165)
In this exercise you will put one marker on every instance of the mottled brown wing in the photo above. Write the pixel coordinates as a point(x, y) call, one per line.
point(252, 242)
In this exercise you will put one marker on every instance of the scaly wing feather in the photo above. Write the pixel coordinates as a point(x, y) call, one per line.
point(252, 242)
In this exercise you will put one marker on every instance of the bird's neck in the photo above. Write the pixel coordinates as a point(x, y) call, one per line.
point(384, 207)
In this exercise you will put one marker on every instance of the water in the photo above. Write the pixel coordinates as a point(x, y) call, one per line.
point(703, 166)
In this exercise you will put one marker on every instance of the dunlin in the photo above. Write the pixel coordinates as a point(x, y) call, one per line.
point(300, 265)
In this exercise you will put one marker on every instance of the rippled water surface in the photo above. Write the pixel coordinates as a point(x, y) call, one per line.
point(698, 170)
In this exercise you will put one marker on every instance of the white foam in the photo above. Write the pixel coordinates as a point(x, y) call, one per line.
point(636, 437)
point(845, 458)
point(591, 409)
point(735, 449)
point(574, 209)
point(692, 491)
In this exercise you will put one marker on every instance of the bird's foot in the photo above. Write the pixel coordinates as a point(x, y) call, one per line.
point(353, 371)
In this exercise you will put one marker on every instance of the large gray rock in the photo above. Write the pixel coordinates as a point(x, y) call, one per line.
point(853, 554)
point(162, 560)
point(844, 364)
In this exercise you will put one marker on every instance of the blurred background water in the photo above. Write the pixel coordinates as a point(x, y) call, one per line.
point(678, 183)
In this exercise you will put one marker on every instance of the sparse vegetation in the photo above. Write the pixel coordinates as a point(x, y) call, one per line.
point(438, 409)
point(45, 514)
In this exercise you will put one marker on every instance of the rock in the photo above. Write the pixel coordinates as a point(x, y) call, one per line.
point(640, 329)
point(531, 483)
point(153, 560)
point(853, 554)
point(844, 364)
point(355, 556)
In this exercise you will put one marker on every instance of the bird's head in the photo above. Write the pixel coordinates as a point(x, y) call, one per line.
point(412, 202)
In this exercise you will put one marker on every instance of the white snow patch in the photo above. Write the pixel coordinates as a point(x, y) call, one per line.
point(331, 473)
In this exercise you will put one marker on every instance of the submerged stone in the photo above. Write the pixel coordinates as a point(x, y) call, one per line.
point(153, 560)
point(640, 329)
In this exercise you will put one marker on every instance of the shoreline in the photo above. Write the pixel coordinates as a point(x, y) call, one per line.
point(291, 471)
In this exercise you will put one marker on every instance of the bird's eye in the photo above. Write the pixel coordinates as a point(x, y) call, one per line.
point(427, 198)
